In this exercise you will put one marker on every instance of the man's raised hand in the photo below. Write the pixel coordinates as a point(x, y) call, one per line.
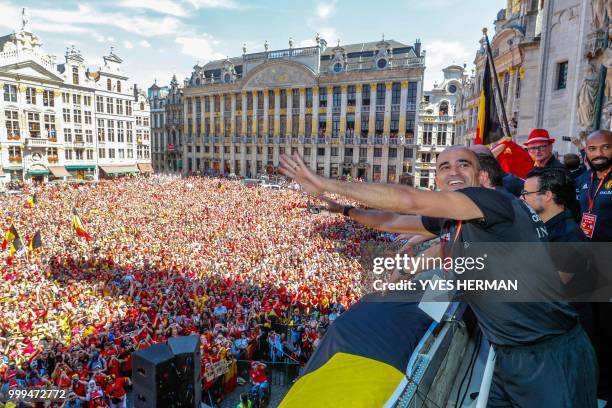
point(296, 169)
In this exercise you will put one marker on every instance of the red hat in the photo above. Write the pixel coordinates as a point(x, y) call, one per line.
point(539, 135)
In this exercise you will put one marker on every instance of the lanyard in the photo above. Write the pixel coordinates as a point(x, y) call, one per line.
point(452, 244)
point(592, 199)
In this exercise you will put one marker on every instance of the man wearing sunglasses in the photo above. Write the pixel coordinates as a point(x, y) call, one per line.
point(539, 146)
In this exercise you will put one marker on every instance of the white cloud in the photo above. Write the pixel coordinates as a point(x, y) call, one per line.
point(11, 16)
point(440, 54)
point(159, 6)
point(226, 4)
point(324, 10)
point(200, 47)
point(329, 34)
point(100, 38)
point(86, 16)
point(128, 45)
point(144, 44)
point(307, 43)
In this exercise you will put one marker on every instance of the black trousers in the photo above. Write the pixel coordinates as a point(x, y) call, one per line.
point(560, 372)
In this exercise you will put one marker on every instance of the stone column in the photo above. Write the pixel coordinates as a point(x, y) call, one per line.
point(403, 106)
point(387, 123)
point(276, 112)
point(315, 111)
point(343, 102)
point(358, 97)
point(372, 121)
point(330, 100)
point(266, 107)
point(302, 123)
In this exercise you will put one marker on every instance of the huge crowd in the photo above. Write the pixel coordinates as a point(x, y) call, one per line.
point(249, 270)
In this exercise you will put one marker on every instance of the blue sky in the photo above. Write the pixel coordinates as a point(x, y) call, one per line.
point(159, 38)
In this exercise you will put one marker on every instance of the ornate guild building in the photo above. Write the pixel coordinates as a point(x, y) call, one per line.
point(348, 111)
point(63, 121)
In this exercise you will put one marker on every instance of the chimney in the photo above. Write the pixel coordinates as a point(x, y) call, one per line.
point(417, 47)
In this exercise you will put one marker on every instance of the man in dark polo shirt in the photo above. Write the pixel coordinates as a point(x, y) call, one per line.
point(539, 344)
point(510, 182)
point(594, 189)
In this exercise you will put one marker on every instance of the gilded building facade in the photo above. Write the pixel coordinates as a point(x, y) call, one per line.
point(348, 111)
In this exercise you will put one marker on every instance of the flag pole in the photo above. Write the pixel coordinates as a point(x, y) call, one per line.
point(504, 118)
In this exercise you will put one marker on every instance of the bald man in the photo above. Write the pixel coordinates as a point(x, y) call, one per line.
point(510, 182)
point(594, 188)
point(539, 344)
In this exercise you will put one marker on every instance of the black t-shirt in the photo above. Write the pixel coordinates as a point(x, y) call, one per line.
point(512, 184)
point(508, 220)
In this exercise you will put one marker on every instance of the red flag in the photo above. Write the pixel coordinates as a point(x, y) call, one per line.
point(515, 159)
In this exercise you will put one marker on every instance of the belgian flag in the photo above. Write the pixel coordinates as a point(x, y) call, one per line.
point(363, 358)
point(78, 226)
point(31, 201)
point(488, 129)
point(35, 242)
point(9, 236)
point(16, 246)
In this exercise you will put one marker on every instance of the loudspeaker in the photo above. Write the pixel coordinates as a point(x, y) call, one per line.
point(154, 377)
point(187, 360)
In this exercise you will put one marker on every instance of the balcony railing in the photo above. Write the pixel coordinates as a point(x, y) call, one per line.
point(236, 139)
point(363, 141)
point(216, 139)
point(411, 106)
point(393, 141)
point(36, 141)
point(247, 139)
point(348, 140)
point(380, 108)
point(320, 140)
point(206, 139)
point(365, 109)
point(395, 108)
point(307, 140)
point(269, 140)
point(378, 140)
point(282, 140)
point(295, 111)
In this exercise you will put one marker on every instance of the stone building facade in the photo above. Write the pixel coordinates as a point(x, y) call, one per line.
point(436, 124)
point(348, 111)
point(552, 59)
point(56, 119)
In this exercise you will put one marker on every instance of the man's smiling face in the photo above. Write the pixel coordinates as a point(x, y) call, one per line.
point(457, 167)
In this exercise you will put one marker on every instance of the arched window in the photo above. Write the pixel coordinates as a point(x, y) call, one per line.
point(443, 108)
point(118, 86)
point(141, 106)
point(109, 85)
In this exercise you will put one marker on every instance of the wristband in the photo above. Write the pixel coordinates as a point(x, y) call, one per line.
point(346, 209)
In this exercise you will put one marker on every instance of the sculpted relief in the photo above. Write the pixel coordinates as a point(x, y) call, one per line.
point(271, 75)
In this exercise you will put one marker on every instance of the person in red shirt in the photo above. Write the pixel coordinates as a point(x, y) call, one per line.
point(259, 379)
point(115, 389)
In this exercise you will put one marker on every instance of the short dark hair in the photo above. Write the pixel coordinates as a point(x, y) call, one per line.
point(571, 161)
point(559, 183)
point(490, 165)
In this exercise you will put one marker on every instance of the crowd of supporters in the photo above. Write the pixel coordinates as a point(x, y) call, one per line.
point(248, 269)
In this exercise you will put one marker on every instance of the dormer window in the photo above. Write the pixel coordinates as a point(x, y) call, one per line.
point(227, 78)
point(75, 75)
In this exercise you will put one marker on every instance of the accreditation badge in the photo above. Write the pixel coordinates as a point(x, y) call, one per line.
point(587, 225)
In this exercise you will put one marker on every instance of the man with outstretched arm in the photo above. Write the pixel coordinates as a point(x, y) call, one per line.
point(539, 344)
